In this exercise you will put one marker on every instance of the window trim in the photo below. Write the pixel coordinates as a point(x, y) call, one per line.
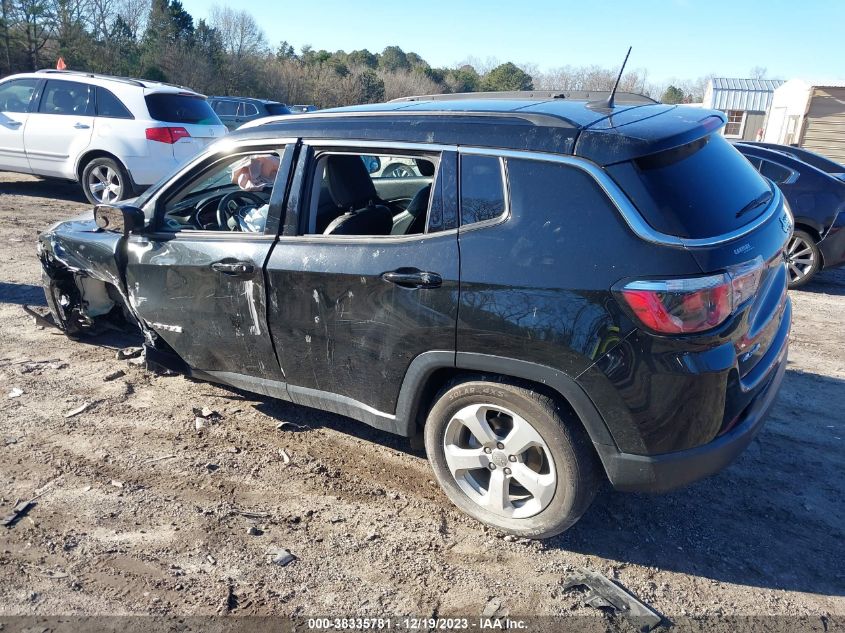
point(352, 148)
point(790, 179)
point(90, 110)
point(741, 123)
point(506, 193)
point(629, 213)
point(160, 210)
point(153, 207)
point(218, 102)
point(97, 114)
point(244, 104)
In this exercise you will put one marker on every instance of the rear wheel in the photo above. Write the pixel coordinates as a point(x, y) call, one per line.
point(510, 457)
point(803, 259)
point(398, 170)
point(105, 181)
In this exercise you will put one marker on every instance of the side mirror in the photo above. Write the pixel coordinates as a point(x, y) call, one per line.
point(119, 219)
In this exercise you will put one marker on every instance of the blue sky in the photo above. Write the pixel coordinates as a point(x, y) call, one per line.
point(671, 38)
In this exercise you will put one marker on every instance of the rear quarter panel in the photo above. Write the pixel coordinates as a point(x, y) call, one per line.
point(537, 285)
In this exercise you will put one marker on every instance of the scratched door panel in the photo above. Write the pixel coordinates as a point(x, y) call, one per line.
point(341, 328)
point(216, 321)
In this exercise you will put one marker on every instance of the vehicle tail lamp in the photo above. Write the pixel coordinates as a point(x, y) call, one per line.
point(694, 304)
point(167, 134)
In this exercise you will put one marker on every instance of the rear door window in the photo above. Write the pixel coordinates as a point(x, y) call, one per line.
point(703, 189)
point(226, 108)
point(172, 107)
point(482, 188)
point(68, 98)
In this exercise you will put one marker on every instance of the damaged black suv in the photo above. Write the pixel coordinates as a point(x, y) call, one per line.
point(552, 292)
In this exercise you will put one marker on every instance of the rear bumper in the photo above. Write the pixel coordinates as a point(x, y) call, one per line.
point(659, 473)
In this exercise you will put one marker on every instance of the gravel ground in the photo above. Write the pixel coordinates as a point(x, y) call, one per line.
point(141, 513)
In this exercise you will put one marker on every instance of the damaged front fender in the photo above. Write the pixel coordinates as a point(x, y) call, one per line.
point(81, 275)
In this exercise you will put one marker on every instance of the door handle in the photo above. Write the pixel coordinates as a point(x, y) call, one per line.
point(234, 268)
point(81, 126)
point(14, 123)
point(413, 278)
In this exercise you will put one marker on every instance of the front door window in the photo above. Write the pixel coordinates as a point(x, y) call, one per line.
point(232, 195)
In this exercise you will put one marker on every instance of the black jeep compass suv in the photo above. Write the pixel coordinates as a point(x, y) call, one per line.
point(560, 292)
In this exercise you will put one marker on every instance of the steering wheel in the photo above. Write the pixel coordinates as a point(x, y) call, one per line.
point(229, 206)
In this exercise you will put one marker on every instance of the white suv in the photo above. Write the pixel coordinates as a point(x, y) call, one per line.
point(113, 135)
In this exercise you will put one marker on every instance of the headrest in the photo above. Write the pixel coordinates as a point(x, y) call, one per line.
point(63, 100)
point(349, 183)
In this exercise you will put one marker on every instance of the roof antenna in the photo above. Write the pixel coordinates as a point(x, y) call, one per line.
point(618, 79)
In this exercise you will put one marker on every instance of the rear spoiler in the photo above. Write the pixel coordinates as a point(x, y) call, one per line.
point(629, 134)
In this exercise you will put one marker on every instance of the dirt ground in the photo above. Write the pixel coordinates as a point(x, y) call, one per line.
point(141, 513)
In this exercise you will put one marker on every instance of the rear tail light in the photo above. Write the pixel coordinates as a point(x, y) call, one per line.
point(166, 134)
point(696, 304)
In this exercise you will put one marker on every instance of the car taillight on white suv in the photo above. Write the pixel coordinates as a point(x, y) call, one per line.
point(694, 304)
point(168, 135)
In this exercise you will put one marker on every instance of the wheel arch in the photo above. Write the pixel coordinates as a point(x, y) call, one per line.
point(89, 155)
point(814, 231)
point(809, 226)
point(430, 371)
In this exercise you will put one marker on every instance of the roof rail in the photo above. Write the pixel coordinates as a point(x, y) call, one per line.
point(142, 83)
point(541, 95)
point(79, 73)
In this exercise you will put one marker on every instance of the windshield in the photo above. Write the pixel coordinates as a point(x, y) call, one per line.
point(703, 189)
point(178, 108)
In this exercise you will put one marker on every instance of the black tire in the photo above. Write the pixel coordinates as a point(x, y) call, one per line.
point(109, 173)
point(575, 463)
point(802, 248)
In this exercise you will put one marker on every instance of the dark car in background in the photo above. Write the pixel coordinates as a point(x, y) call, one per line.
point(823, 163)
point(560, 293)
point(302, 109)
point(235, 111)
point(817, 201)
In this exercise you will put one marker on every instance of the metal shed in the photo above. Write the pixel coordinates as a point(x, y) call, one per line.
point(810, 115)
point(744, 101)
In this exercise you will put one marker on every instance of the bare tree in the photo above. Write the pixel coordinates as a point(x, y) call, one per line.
point(101, 15)
point(242, 39)
point(134, 14)
point(758, 72)
point(405, 84)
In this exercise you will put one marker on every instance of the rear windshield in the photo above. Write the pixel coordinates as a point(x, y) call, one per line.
point(176, 108)
point(702, 189)
point(277, 108)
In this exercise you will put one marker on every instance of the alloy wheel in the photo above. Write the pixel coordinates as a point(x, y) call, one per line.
point(499, 461)
point(800, 258)
point(104, 184)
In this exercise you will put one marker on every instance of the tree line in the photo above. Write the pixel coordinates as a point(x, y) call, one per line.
point(228, 54)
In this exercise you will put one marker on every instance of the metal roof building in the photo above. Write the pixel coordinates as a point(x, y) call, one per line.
point(745, 101)
point(809, 114)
